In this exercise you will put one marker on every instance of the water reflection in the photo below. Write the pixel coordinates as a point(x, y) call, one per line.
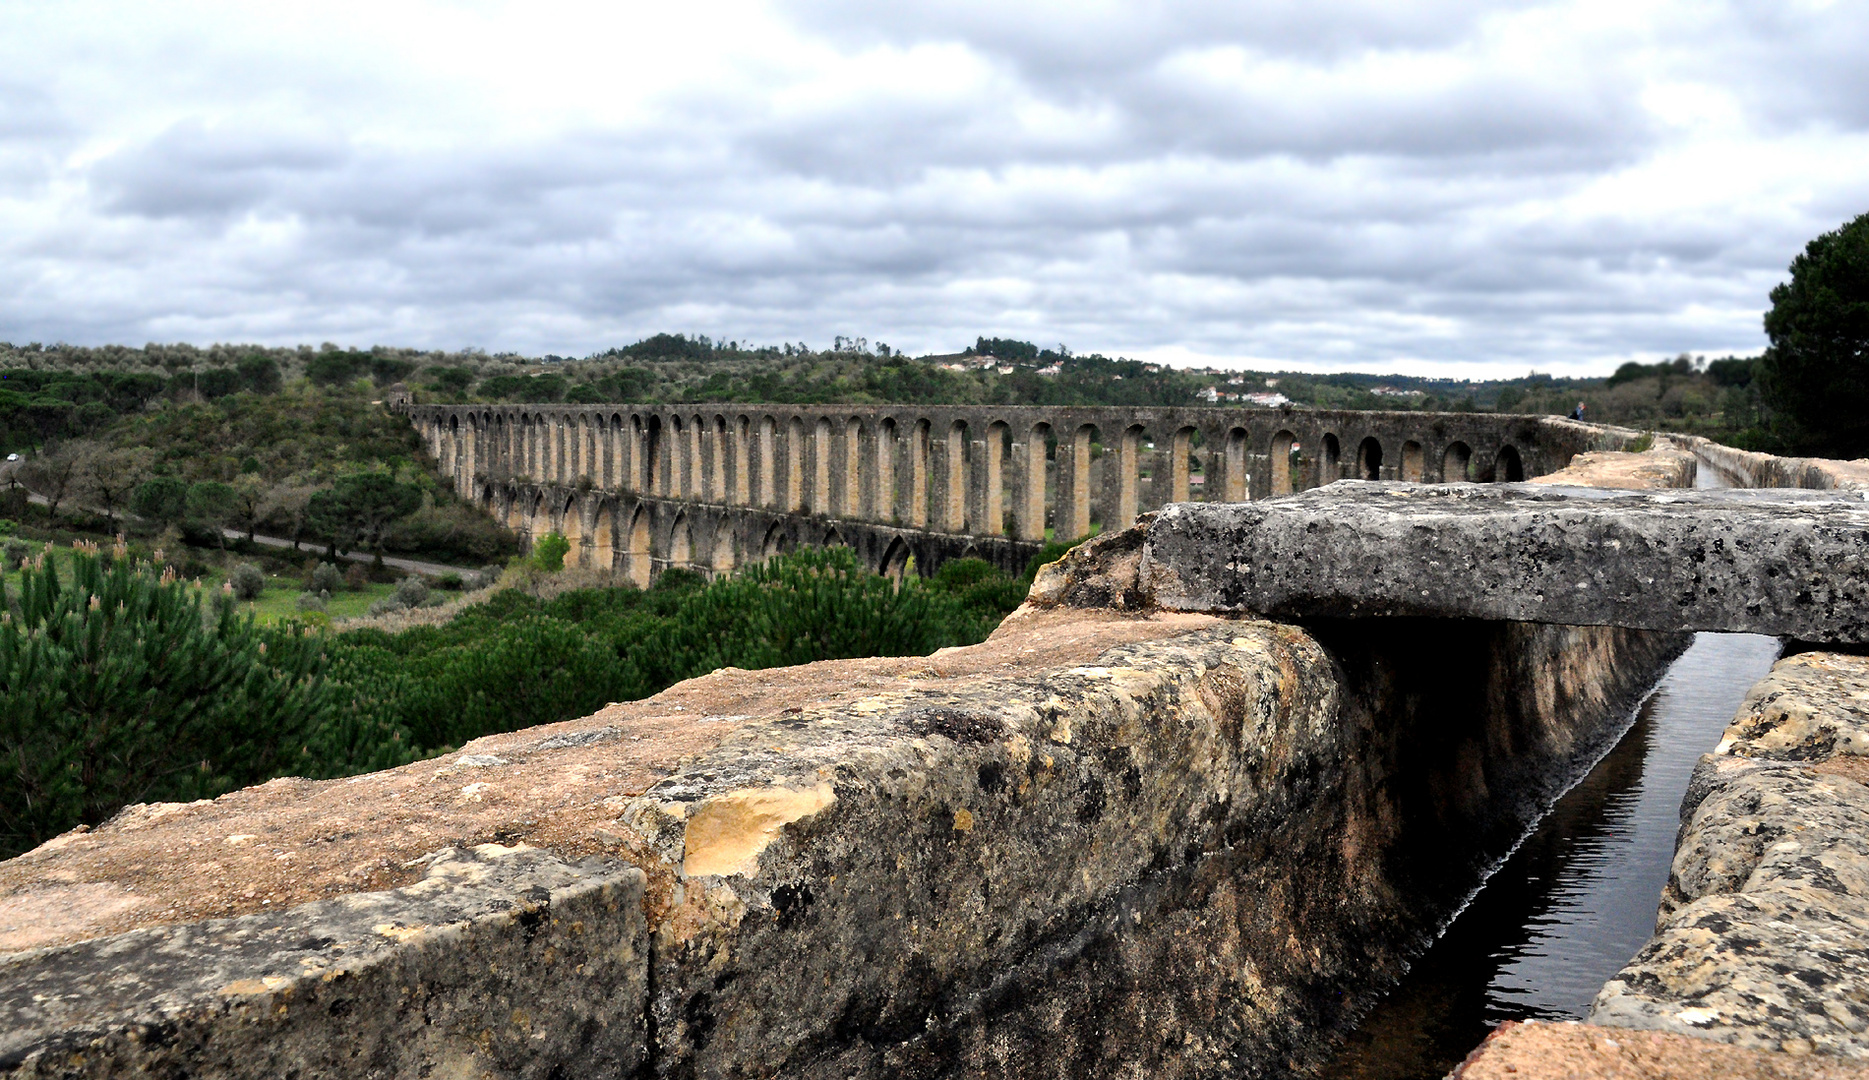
point(1577, 899)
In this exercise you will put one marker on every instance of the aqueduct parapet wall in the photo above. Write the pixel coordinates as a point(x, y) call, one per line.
point(642, 488)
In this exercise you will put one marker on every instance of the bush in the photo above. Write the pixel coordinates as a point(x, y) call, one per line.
point(117, 688)
point(548, 554)
point(15, 553)
point(314, 601)
point(450, 581)
point(325, 578)
point(412, 592)
point(249, 581)
point(357, 577)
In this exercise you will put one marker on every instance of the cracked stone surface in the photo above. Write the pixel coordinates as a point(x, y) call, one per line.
point(1788, 563)
point(464, 971)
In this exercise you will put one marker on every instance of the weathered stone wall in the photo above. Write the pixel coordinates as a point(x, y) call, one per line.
point(1097, 844)
point(710, 486)
point(1763, 934)
point(1747, 469)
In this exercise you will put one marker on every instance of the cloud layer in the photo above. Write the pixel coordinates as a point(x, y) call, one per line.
point(1428, 187)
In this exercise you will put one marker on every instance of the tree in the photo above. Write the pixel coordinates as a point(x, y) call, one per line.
point(161, 499)
point(107, 478)
point(52, 474)
point(260, 373)
point(211, 505)
point(1815, 376)
point(252, 496)
point(118, 687)
point(289, 505)
point(359, 508)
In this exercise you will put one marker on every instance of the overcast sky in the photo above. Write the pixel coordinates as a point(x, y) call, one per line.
point(1428, 187)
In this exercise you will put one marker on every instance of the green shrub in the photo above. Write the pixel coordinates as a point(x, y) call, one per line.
point(249, 581)
point(117, 688)
point(14, 554)
point(548, 554)
point(326, 578)
point(412, 592)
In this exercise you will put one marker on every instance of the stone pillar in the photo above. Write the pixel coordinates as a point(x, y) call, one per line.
point(767, 486)
point(953, 473)
point(821, 467)
point(1074, 494)
point(794, 493)
point(717, 440)
point(1028, 472)
point(742, 462)
point(850, 466)
point(882, 478)
point(1121, 465)
point(915, 473)
point(1180, 445)
point(470, 461)
point(986, 515)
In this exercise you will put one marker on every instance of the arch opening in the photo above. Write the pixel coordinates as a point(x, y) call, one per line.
point(1455, 463)
point(1508, 467)
point(1411, 461)
point(1369, 459)
point(638, 567)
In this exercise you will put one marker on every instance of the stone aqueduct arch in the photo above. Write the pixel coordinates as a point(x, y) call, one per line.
point(712, 487)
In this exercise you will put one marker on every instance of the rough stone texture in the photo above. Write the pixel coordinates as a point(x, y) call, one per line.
point(1094, 845)
point(480, 968)
point(1763, 933)
point(1646, 471)
point(1771, 562)
point(1812, 707)
point(1572, 1051)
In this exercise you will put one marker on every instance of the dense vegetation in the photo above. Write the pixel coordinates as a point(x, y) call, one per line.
point(117, 686)
point(1815, 376)
point(114, 450)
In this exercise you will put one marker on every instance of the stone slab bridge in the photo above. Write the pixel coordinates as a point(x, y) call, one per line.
point(1785, 563)
point(643, 488)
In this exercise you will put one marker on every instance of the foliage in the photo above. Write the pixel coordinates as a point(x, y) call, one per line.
point(248, 580)
point(550, 551)
point(516, 660)
point(162, 500)
point(358, 509)
point(325, 578)
point(1815, 375)
point(116, 687)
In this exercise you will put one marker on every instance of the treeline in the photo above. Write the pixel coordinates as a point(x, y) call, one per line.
point(120, 686)
point(323, 464)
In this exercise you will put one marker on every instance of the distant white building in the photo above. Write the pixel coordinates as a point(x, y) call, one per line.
point(1270, 401)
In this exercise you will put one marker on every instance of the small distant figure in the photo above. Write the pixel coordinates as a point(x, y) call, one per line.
point(1577, 413)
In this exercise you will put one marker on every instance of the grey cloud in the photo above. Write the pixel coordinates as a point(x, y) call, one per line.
point(1097, 186)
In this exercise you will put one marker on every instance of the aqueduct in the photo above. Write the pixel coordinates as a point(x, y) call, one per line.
point(643, 488)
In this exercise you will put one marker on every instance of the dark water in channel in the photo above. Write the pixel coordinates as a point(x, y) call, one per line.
point(1577, 899)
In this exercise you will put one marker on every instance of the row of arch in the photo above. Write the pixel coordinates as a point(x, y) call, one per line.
point(642, 538)
point(1020, 473)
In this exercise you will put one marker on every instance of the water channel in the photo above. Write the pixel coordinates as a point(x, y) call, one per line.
point(1577, 899)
